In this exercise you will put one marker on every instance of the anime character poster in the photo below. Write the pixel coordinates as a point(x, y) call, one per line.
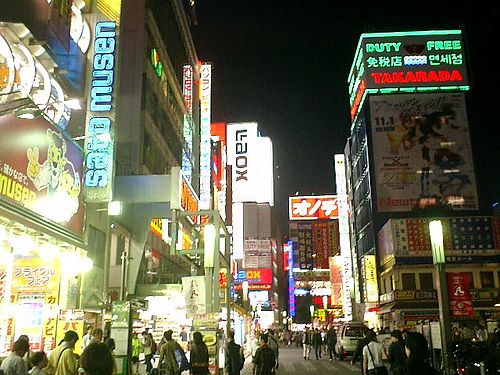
point(422, 153)
point(40, 171)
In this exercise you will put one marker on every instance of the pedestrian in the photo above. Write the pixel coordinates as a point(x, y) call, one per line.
point(317, 343)
point(110, 343)
point(323, 340)
point(373, 356)
point(147, 344)
point(306, 342)
point(63, 360)
point(358, 352)
point(264, 360)
point(14, 363)
point(136, 351)
point(397, 354)
point(29, 353)
point(234, 358)
point(39, 361)
point(198, 355)
point(331, 341)
point(97, 335)
point(273, 344)
point(87, 338)
point(168, 361)
point(416, 348)
point(97, 359)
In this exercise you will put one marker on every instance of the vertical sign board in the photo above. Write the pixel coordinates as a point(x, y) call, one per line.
point(345, 245)
point(99, 134)
point(459, 294)
point(187, 152)
point(205, 118)
point(241, 144)
point(370, 277)
point(291, 281)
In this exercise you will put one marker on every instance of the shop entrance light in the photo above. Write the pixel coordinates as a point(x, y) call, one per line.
point(115, 208)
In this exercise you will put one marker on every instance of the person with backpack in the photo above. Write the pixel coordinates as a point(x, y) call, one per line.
point(373, 356)
point(63, 360)
point(264, 360)
point(168, 361)
point(198, 356)
point(234, 358)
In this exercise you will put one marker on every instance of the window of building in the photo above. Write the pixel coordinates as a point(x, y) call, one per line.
point(487, 279)
point(97, 244)
point(426, 281)
point(408, 281)
point(390, 284)
point(471, 279)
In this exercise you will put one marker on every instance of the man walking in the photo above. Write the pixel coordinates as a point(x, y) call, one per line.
point(234, 358)
point(317, 342)
point(331, 341)
point(62, 360)
point(264, 360)
point(306, 342)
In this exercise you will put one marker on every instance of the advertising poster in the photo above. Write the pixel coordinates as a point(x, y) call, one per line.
point(336, 264)
point(334, 237)
point(422, 153)
point(194, 290)
point(40, 168)
point(370, 276)
point(459, 294)
point(71, 320)
point(305, 245)
point(257, 253)
point(321, 244)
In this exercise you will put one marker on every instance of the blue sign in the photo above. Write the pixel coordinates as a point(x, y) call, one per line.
point(99, 137)
point(291, 280)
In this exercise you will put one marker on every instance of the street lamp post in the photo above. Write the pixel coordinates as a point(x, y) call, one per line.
point(436, 235)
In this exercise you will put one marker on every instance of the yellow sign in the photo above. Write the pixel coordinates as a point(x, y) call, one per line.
point(32, 275)
point(371, 285)
point(111, 9)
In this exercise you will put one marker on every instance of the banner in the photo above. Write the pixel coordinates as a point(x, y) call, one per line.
point(40, 169)
point(459, 294)
point(336, 265)
point(194, 290)
point(305, 245)
point(422, 152)
point(321, 244)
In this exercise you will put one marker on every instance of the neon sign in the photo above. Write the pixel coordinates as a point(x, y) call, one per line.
point(407, 62)
point(187, 152)
point(205, 116)
point(156, 62)
point(100, 116)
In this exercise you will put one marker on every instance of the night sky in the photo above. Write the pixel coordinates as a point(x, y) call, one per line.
point(284, 64)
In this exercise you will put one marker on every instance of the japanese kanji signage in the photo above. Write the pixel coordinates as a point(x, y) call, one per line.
point(459, 294)
point(313, 207)
point(305, 245)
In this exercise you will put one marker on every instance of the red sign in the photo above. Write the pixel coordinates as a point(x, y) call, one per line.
point(313, 207)
point(459, 295)
point(41, 171)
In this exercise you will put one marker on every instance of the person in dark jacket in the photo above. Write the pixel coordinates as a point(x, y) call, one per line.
point(397, 354)
point(417, 352)
point(233, 356)
point(198, 355)
point(264, 360)
point(358, 352)
point(331, 341)
point(317, 341)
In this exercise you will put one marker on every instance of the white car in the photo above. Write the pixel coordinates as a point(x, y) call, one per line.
point(348, 336)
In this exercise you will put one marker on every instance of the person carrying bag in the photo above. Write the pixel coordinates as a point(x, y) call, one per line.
point(373, 354)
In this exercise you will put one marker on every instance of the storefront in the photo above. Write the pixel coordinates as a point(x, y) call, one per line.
point(42, 253)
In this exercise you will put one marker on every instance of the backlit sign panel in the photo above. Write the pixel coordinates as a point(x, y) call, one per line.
point(407, 62)
point(422, 153)
point(241, 151)
point(291, 281)
point(321, 207)
point(99, 135)
point(187, 151)
point(370, 278)
point(255, 276)
point(205, 118)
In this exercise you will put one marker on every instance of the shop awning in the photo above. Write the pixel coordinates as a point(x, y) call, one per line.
point(409, 307)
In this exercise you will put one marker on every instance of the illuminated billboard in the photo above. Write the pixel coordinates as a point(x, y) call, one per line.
point(99, 134)
point(205, 118)
point(422, 153)
point(241, 153)
point(41, 171)
point(407, 62)
point(370, 278)
point(313, 207)
point(187, 151)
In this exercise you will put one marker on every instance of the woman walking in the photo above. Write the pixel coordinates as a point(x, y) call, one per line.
point(198, 355)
